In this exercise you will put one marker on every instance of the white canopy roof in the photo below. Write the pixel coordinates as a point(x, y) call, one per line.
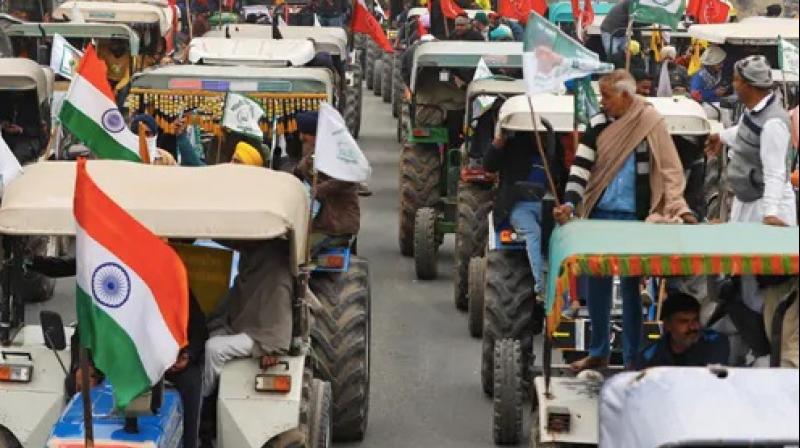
point(749, 31)
point(154, 11)
point(25, 74)
point(217, 202)
point(330, 39)
point(680, 406)
point(682, 115)
point(251, 51)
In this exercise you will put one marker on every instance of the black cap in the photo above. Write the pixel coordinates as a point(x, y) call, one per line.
point(679, 302)
point(307, 122)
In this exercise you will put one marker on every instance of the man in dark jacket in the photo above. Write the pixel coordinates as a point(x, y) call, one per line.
point(186, 374)
point(683, 341)
point(337, 215)
point(331, 12)
point(463, 30)
point(523, 184)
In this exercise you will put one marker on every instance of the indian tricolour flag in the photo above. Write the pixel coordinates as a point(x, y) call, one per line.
point(132, 294)
point(90, 113)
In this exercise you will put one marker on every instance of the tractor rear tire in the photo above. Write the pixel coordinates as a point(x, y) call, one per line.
point(369, 63)
point(398, 85)
point(353, 96)
point(403, 123)
point(341, 342)
point(426, 245)
point(508, 393)
point(377, 77)
point(508, 309)
point(319, 419)
point(386, 81)
point(475, 291)
point(8, 440)
point(419, 187)
point(474, 202)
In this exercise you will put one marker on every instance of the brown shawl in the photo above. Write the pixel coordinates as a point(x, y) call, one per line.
point(615, 144)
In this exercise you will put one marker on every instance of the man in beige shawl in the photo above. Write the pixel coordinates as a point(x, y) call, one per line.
point(626, 168)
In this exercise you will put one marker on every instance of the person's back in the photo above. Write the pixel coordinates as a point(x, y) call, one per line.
point(616, 21)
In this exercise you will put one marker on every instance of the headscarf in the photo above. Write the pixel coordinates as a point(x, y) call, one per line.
point(502, 32)
point(307, 122)
point(248, 155)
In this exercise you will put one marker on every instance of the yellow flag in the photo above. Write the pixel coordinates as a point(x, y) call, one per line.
point(485, 5)
point(656, 42)
point(694, 62)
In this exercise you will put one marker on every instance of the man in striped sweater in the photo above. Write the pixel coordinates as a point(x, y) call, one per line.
point(626, 168)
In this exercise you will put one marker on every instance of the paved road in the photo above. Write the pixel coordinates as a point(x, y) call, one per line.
point(425, 377)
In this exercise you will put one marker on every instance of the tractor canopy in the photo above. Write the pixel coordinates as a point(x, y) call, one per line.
point(755, 31)
point(21, 74)
point(329, 39)
point(465, 54)
point(120, 11)
point(223, 201)
point(251, 51)
point(78, 31)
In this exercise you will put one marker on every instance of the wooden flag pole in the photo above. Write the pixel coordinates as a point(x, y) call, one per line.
point(88, 423)
point(628, 37)
point(189, 19)
point(144, 151)
point(543, 154)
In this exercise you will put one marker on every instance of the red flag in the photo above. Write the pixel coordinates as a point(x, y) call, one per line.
point(521, 9)
point(450, 9)
point(228, 4)
point(583, 16)
point(363, 22)
point(711, 11)
point(421, 30)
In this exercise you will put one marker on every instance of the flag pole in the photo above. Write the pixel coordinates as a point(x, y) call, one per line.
point(543, 154)
point(189, 18)
point(783, 73)
point(628, 36)
point(144, 151)
point(88, 424)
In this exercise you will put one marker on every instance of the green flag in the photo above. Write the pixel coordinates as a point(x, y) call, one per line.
point(586, 104)
point(663, 12)
point(550, 57)
point(788, 57)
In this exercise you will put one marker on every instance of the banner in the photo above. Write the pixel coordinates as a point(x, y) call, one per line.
point(242, 115)
point(550, 57)
point(9, 165)
point(585, 101)
point(787, 56)
point(664, 12)
point(64, 57)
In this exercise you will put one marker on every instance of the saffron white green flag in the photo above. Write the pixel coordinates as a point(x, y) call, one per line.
point(788, 56)
point(482, 103)
point(64, 58)
point(132, 298)
point(664, 12)
point(336, 152)
point(550, 57)
point(242, 115)
point(9, 165)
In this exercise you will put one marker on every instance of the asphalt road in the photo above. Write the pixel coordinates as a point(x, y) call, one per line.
point(425, 389)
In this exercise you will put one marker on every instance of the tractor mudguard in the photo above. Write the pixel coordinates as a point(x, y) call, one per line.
point(29, 410)
point(163, 430)
point(247, 418)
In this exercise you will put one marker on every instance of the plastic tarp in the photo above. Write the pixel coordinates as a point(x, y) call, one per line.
point(714, 407)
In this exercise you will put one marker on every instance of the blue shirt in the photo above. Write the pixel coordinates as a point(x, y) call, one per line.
point(706, 85)
point(620, 194)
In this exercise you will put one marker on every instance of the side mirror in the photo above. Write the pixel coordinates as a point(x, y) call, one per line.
point(53, 330)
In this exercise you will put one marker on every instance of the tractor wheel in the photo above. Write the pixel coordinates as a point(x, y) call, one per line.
point(386, 80)
point(377, 76)
point(474, 202)
point(426, 245)
point(403, 123)
point(340, 339)
point(352, 112)
point(369, 63)
point(507, 402)
point(476, 283)
point(508, 309)
point(319, 419)
point(397, 85)
point(7, 439)
point(419, 187)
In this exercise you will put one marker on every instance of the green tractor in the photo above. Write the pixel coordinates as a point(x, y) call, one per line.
point(430, 162)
